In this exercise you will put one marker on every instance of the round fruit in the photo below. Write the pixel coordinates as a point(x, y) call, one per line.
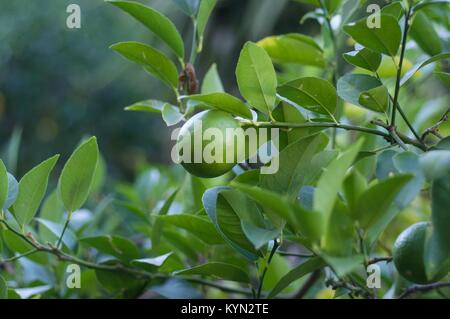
point(215, 142)
point(408, 254)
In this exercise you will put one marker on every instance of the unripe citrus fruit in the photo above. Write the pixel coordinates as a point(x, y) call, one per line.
point(201, 134)
point(408, 254)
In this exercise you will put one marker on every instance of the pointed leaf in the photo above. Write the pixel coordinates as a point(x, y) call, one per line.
point(212, 82)
point(385, 39)
point(156, 22)
point(77, 175)
point(364, 58)
point(311, 93)
point(256, 78)
point(154, 61)
point(32, 188)
point(224, 102)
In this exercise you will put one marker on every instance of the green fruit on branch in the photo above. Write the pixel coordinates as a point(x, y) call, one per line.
point(408, 254)
point(205, 148)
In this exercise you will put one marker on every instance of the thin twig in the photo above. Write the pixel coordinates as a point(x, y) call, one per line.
point(400, 67)
point(66, 224)
point(266, 267)
point(423, 288)
point(433, 129)
point(379, 259)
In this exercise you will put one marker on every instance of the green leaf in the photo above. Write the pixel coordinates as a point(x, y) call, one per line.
point(151, 106)
point(259, 236)
point(116, 246)
point(212, 82)
point(312, 264)
point(425, 4)
point(354, 185)
point(351, 86)
point(171, 114)
point(154, 61)
point(196, 225)
point(437, 247)
point(224, 102)
point(32, 189)
point(376, 201)
point(151, 263)
point(204, 12)
point(52, 210)
point(256, 78)
point(3, 184)
point(158, 225)
point(291, 175)
point(408, 75)
point(344, 265)
point(3, 288)
point(394, 9)
point(77, 175)
point(331, 181)
point(376, 99)
point(339, 239)
point(278, 209)
point(190, 7)
point(13, 192)
point(293, 48)
point(116, 281)
point(314, 94)
point(159, 24)
point(364, 58)
point(435, 164)
point(330, 5)
point(217, 270)
point(423, 33)
point(385, 39)
point(444, 77)
point(227, 222)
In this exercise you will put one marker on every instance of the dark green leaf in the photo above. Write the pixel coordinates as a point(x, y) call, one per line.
point(364, 58)
point(422, 31)
point(376, 99)
point(116, 246)
point(217, 270)
point(311, 93)
point(159, 24)
point(298, 272)
point(154, 61)
point(350, 87)
point(385, 39)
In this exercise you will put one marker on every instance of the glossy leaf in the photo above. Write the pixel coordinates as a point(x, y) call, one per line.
point(311, 93)
point(77, 175)
point(376, 99)
point(32, 188)
point(3, 184)
point(350, 87)
point(422, 31)
point(217, 270)
point(212, 82)
point(293, 48)
point(196, 225)
point(154, 61)
point(364, 58)
point(204, 12)
point(437, 247)
point(375, 202)
point(223, 101)
point(298, 272)
point(13, 191)
point(156, 22)
point(331, 181)
point(385, 39)
point(227, 222)
point(171, 114)
point(116, 246)
point(256, 77)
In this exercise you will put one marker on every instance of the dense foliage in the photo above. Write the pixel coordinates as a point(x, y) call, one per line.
point(364, 156)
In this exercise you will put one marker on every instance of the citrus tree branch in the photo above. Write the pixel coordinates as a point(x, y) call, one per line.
point(423, 288)
point(400, 67)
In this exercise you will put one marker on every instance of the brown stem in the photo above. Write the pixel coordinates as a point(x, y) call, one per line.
point(423, 288)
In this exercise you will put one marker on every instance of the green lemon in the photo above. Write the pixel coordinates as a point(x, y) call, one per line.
point(203, 144)
point(408, 254)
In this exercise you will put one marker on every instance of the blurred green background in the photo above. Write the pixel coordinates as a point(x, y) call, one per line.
point(58, 85)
